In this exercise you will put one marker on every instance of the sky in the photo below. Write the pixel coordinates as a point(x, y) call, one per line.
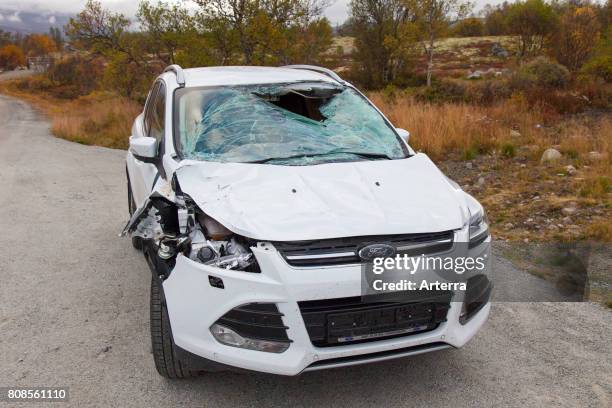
point(336, 13)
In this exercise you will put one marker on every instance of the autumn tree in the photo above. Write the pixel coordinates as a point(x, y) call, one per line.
point(533, 22)
point(36, 45)
point(495, 19)
point(432, 18)
point(261, 29)
point(469, 27)
point(576, 37)
point(168, 28)
point(11, 57)
point(380, 46)
point(104, 33)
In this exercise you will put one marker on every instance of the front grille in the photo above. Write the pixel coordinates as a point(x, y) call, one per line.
point(349, 320)
point(338, 251)
point(260, 321)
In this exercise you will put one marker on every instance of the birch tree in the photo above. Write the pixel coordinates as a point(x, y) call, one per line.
point(432, 18)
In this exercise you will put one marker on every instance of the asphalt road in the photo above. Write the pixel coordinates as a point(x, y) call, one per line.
point(74, 310)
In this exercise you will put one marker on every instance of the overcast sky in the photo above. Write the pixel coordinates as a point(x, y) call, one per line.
point(337, 12)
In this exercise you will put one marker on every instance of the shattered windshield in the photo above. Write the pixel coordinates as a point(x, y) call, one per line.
point(293, 124)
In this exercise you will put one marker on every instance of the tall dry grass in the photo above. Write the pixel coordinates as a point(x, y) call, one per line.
point(100, 118)
point(441, 130)
point(97, 119)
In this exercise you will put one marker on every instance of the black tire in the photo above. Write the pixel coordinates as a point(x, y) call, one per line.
point(166, 362)
point(136, 241)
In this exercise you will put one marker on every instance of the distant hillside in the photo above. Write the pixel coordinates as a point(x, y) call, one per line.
point(27, 22)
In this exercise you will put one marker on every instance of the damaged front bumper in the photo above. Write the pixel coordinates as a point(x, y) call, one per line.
point(195, 305)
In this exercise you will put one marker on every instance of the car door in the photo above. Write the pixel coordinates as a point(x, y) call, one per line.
point(144, 175)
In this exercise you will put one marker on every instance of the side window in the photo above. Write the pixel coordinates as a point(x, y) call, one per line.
point(157, 114)
point(149, 108)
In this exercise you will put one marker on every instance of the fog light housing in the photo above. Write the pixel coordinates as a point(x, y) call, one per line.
point(254, 326)
point(229, 337)
point(477, 295)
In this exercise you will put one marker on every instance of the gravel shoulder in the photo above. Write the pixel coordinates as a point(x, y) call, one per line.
point(74, 310)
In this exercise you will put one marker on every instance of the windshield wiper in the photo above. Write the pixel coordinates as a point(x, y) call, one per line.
point(297, 156)
point(369, 155)
point(301, 156)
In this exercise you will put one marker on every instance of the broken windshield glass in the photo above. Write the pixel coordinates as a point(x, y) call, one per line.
point(295, 124)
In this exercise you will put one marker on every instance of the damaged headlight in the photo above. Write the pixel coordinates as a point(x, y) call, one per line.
point(213, 244)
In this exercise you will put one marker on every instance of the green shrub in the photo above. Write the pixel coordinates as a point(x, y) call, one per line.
point(470, 27)
point(599, 67)
point(443, 91)
point(540, 72)
point(508, 150)
point(469, 153)
point(487, 91)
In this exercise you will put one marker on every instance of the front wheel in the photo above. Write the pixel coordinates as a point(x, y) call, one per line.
point(167, 362)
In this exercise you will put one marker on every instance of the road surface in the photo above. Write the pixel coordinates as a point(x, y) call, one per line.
point(74, 310)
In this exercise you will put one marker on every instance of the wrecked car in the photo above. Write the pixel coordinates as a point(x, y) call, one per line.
point(257, 195)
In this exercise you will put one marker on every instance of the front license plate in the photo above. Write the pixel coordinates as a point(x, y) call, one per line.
point(375, 323)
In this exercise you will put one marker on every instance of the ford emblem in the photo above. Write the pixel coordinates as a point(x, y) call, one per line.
point(369, 252)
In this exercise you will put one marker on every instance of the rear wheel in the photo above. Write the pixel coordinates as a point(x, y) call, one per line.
point(167, 362)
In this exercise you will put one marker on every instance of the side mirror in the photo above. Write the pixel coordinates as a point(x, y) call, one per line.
point(144, 148)
point(404, 134)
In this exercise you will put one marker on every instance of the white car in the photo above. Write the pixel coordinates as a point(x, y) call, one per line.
point(258, 194)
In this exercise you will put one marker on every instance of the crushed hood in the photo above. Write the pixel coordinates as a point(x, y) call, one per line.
point(292, 203)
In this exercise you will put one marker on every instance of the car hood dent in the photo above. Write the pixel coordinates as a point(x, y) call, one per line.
point(292, 203)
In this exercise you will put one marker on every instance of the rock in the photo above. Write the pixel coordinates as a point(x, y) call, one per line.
point(568, 210)
point(468, 165)
point(475, 75)
point(509, 225)
point(571, 170)
point(596, 156)
point(550, 155)
point(499, 51)
point(523, 165)
point(481, 181)
point(515, 133)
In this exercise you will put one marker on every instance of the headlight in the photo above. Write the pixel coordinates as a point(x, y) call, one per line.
point(213, 244)
point(479, 227)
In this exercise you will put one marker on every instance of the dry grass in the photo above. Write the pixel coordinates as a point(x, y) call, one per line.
point(439, 129)
point(100, 119)
point(504, 142)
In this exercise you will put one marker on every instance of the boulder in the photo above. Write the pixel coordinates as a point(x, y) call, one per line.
point(550, 155)
point(498, 51)
point(475, 75)
point(596, 156)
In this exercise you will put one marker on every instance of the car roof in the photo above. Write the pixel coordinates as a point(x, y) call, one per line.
point(244, 75)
